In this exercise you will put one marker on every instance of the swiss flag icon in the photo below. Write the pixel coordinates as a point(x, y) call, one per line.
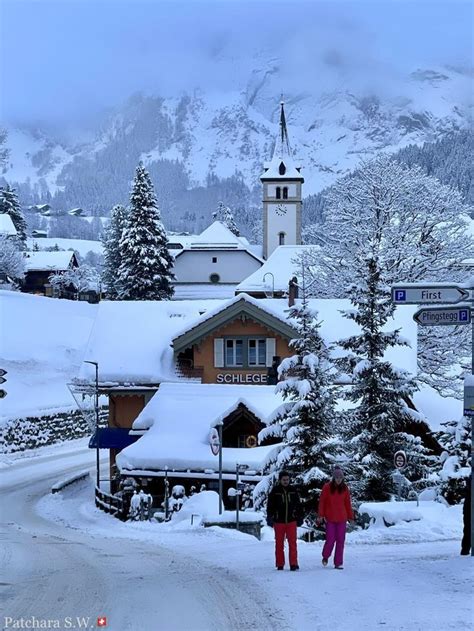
point(101, 621)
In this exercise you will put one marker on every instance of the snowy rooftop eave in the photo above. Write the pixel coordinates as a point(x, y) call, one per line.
point(239, 305)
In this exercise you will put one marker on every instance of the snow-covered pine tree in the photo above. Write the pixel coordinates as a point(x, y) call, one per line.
point(145, 271)
point(112, 256)
point(10, 205)
point(224, 214)
point(424, 237)
point(305, 420)
point(455, 460)
point(375, 427)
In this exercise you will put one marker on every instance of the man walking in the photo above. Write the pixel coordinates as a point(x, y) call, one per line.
point(284, 513)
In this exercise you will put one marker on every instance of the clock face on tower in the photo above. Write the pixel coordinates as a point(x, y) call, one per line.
point(280, 210)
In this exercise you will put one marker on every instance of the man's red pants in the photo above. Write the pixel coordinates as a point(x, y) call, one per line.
point(288, 531)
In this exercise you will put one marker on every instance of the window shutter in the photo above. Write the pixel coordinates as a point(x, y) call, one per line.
point(218, 352)
point(271, 350)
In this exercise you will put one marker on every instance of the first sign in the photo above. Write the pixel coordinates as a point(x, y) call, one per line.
point(414, 294)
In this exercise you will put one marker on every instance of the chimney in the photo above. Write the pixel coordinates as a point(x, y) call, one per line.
point(292, 291)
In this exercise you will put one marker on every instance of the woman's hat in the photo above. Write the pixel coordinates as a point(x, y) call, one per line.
point(337, 471)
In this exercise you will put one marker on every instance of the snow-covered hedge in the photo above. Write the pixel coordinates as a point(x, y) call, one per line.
point(31, 432)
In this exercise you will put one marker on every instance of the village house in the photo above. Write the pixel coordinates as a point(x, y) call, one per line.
point(39, 266)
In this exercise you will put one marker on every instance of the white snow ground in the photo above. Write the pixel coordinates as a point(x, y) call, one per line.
point(62, 557)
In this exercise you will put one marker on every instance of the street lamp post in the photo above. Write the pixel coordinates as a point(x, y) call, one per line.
point(96, 419)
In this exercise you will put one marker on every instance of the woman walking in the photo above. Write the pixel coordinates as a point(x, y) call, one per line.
point(335, 509)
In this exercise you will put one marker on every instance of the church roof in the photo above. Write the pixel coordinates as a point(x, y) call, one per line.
point(282, 165)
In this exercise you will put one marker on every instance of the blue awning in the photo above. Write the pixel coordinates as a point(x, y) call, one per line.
point(112, 438)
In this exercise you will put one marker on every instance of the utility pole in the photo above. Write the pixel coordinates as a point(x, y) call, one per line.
point(96, 420)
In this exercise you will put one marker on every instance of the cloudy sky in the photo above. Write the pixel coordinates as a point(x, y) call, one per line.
point(67, 60)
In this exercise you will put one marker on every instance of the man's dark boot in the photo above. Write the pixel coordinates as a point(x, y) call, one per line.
point(293, 568)
point(280, 567)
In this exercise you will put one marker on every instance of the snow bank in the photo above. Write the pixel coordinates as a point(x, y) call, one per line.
point(430, 521)
point(42, 342)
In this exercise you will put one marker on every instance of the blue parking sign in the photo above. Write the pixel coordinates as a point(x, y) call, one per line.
point(400, 295)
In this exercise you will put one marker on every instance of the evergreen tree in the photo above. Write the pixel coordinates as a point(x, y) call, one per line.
point(145, 271)
point(305, 420)
point(377, 425)
point(112, 257)
point(455, 460)
point(10, 205)
point(224, 215)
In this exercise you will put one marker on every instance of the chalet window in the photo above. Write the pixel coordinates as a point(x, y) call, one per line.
point(234, 352)
point(214, 259)
point(278, 192)
point(257, 352)
point(285, 192)
point(281, 238)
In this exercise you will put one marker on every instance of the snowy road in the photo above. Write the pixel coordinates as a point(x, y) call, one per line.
point(52, 572)
point(61, 557)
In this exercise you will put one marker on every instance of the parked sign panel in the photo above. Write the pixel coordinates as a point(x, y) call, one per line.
point(419, 294)
point(447, 316)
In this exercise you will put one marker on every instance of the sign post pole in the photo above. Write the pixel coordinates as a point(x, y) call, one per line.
point(219, 429)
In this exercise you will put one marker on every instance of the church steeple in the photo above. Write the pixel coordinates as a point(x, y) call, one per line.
point(282, 194)
point(282, 145)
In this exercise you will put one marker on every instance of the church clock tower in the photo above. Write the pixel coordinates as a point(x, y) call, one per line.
point(282, 184)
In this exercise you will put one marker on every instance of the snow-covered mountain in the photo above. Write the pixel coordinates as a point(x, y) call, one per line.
point(223, 134)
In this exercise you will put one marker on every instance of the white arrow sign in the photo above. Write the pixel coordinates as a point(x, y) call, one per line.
point(447, 316)
point(414, 294)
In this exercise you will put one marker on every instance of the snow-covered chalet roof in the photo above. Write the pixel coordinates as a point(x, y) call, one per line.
point(7, 227)
point(283, 264)
point(131, 340)
point(54, 261)
point(178, 434)
point(217, 236)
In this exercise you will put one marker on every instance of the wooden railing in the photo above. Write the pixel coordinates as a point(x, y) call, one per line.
point(110, 503)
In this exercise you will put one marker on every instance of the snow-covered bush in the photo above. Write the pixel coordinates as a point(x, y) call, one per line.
point(455, 461)
point(12, 262)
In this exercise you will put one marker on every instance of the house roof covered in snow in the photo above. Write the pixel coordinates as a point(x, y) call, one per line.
point(179, 430)
point(45, 261)
point(217, 236)
point(228, 311)
point(132, 340)
point(7, 227)
point(283, 264)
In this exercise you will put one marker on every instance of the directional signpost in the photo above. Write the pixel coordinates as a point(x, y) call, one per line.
point(443, 316)
point(414, 294)
point(443, 295)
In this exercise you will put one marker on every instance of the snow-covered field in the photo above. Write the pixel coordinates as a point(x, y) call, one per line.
point(66, 558)
point(83, 246)
point(42, 342)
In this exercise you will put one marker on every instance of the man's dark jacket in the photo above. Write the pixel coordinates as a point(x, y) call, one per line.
point(284, 505)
